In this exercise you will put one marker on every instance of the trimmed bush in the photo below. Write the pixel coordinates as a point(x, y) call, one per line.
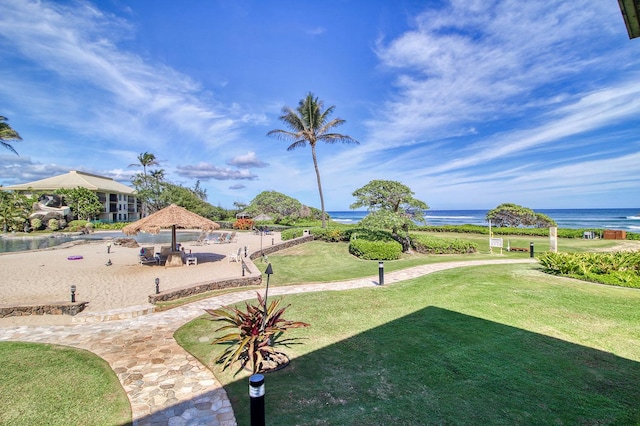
point(375, 250)
point(291, 233)
point(433, 245)
point(243, 224)
point(53, 224)
point(36, 224)
point(330, 235)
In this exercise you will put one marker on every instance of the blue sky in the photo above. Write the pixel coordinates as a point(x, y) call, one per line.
point(470, 103)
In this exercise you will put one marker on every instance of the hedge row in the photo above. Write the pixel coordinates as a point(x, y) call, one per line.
point(532, 232)
point(375, 250)
point(433, 245)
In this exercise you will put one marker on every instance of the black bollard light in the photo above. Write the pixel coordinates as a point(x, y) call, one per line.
point(256, 399)
point(245, 251)
point(531, 249)
point(73, 294)
point(243, 267)
point(381, 273)
point(272, 241)
point(157, 285)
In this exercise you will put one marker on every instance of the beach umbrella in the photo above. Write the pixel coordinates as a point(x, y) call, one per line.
point(171, 217)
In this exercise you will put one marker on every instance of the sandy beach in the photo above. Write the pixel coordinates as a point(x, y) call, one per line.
point(45, 276)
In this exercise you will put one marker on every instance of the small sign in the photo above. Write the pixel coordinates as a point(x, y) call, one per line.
point(495, 242)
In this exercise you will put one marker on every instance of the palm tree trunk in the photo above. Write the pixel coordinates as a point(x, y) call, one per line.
point(315, 164)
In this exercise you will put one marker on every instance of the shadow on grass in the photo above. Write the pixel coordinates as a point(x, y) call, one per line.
point(441, 367)
point(437, 366)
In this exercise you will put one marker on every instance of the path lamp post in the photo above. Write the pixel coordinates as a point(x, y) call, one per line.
point(381, 273)
point(269, 271)
point(157, 285)
point(243, 267)
point(256, 396)
point(73, 294)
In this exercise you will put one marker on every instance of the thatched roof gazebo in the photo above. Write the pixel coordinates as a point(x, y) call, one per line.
point(171, 217)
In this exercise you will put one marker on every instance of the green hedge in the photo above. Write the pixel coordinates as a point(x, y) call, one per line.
point(375, 250)
point(533, 232)
point(433, 245)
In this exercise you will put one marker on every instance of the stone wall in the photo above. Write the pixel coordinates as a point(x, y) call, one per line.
point(55, 308)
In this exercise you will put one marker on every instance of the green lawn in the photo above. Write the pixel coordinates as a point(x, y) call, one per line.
point(479, 345)
point(55, 385)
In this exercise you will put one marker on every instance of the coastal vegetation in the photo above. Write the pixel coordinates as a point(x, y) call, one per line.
point(309, 124)
point(476, 337)
point(54, 385)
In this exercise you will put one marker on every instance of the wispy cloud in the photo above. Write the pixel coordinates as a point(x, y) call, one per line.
point(205, 172)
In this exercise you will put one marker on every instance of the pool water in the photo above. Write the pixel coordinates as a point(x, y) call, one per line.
point(14, 244)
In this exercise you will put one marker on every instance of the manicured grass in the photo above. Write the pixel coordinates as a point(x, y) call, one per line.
point(479, 345)
point(54, 385)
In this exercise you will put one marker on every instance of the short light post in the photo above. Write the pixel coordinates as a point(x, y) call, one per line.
point(531, 249)
point(256, 399)
point(381, 273)
point(269, 271)
point(245, 251)
point(157, 285)
point(243, 267)
point(73, 294)
point(272, 241)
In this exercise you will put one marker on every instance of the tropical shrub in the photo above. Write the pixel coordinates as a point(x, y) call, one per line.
point(243, 224)
point(253, 337)
point(330, 234)
point(375, 250)
point(291, 233)
point(53, 224)
point(36, 224)
point(77, 225)
point(434, 245)
point(618, 268)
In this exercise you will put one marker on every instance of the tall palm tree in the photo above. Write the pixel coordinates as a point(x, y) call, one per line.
point(145, 160)
point(310, 124)
point(8, 134)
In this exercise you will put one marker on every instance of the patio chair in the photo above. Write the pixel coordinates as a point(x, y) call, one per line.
point(147, 256)
point(222, 238)
point(212, 239)
point(234, 256)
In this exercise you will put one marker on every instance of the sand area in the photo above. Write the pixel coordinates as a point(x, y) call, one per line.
point(45, 276)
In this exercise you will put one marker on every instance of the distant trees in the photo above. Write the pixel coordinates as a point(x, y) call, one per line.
point(149, 186)
point(391, 205)
point(512, 216)
point(280, 207)
point(8, 134)
point(309, 124)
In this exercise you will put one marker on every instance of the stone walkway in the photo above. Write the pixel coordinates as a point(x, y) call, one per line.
point(165, 384)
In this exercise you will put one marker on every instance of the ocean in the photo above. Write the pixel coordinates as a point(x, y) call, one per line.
point(620, 219)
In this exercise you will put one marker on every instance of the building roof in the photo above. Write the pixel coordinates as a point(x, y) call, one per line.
point(74, 179)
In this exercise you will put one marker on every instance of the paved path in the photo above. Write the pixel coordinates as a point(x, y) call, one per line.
point(165, 384)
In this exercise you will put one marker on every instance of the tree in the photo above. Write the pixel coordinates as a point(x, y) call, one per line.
point(190, 200)
point(391, 206)
point(84, 204)
point(512, 216)
point(8, 134)
point(275, 204)
point(14, 211)
point(309, 124)
point(145, 160)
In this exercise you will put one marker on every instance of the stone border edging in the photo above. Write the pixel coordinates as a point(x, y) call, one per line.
point(53, 308)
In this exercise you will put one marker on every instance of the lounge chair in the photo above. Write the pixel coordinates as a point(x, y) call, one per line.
point(222, 238)
point(233, 238)
point(212, 239)
point(165, 251)
point(147, 256)
point(234, 256)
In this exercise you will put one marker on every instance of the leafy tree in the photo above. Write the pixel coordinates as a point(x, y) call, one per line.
point(8, 134)
point(14, 211)
point(84, 204)
point(275, 204)
point(189, 199)
point(512, 216)
point(310, 124)
point(391, 206)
